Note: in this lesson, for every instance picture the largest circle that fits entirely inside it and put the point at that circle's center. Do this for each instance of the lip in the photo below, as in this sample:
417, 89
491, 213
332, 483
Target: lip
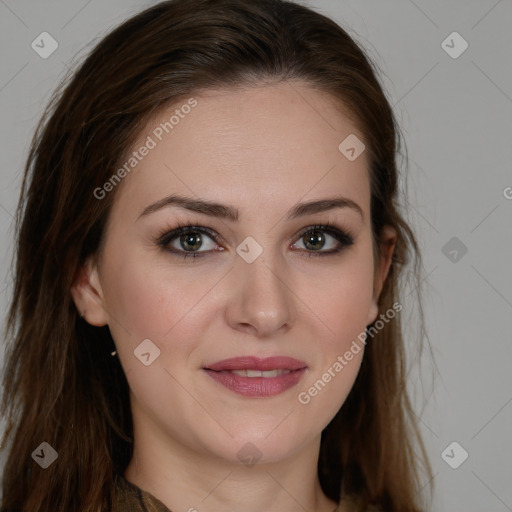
256, 363
257, 386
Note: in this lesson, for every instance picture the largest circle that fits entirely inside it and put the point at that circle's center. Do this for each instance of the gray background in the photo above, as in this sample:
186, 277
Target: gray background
456, 115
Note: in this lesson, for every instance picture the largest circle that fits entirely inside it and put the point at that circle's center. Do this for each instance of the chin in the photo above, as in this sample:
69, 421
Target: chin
262, 445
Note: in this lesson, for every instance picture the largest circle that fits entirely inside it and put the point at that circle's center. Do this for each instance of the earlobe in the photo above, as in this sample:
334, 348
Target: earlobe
374, 311
387, 247
88, 295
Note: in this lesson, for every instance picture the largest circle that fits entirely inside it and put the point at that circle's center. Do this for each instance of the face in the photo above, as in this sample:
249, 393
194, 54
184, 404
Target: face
256, 284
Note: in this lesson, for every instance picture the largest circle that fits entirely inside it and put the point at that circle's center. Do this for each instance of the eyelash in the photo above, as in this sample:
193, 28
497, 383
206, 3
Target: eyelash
167, 236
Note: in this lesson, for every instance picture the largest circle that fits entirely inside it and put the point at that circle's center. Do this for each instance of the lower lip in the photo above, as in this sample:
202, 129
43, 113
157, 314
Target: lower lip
257, 386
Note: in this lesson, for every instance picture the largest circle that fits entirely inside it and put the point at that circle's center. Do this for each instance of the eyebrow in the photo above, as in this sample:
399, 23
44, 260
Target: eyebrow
231, 213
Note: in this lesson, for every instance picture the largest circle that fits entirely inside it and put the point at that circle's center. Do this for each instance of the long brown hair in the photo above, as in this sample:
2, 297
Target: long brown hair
61, 386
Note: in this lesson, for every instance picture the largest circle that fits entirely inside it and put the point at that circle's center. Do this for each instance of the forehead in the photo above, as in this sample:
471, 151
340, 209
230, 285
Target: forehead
256, 146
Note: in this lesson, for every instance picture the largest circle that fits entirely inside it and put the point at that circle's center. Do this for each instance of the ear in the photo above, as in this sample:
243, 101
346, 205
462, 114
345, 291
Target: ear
386, 248
88, 295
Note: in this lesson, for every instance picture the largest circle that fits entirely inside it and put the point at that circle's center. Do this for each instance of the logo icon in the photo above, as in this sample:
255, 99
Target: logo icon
454, 45
352, 147
249, 454
44, 455
454, 455
454, 249
44, 45
249, 249
146, 352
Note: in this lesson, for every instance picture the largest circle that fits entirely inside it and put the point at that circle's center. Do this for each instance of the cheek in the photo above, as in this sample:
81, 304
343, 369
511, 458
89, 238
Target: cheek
164, 302
149, 298
343, 296
151, 302
320, 399
342, 305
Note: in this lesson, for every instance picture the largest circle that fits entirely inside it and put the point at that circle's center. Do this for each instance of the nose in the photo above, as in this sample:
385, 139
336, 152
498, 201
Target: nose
260, 299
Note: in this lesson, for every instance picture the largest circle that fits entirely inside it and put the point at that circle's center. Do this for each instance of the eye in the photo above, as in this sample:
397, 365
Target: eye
316, 238
186, 241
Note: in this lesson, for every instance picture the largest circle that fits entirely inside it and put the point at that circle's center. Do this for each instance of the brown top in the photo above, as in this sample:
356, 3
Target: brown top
131, 498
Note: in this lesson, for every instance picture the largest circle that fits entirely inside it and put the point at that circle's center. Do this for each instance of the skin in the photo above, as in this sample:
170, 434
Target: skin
262, 150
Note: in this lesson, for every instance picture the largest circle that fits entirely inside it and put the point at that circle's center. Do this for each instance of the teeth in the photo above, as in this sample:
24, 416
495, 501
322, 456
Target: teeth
258, 373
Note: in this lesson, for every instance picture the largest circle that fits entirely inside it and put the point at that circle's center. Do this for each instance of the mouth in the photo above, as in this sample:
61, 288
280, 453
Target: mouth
255, 377
257, 373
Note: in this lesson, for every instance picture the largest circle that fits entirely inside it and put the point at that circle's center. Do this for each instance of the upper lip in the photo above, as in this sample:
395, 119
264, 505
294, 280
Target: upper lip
256, 363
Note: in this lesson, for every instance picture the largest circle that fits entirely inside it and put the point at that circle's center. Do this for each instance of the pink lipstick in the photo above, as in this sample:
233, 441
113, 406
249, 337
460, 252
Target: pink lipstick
255, 377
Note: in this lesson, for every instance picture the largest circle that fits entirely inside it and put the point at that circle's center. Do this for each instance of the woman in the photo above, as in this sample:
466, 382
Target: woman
206, 312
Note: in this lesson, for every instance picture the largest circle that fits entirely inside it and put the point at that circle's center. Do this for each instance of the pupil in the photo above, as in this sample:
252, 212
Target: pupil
313, 239
191, 241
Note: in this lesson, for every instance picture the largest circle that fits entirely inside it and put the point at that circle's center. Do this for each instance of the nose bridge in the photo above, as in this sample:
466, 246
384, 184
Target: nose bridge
260, 297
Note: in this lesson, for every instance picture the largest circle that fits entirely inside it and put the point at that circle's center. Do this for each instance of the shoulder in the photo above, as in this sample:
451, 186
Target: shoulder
355, 504
130, 498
